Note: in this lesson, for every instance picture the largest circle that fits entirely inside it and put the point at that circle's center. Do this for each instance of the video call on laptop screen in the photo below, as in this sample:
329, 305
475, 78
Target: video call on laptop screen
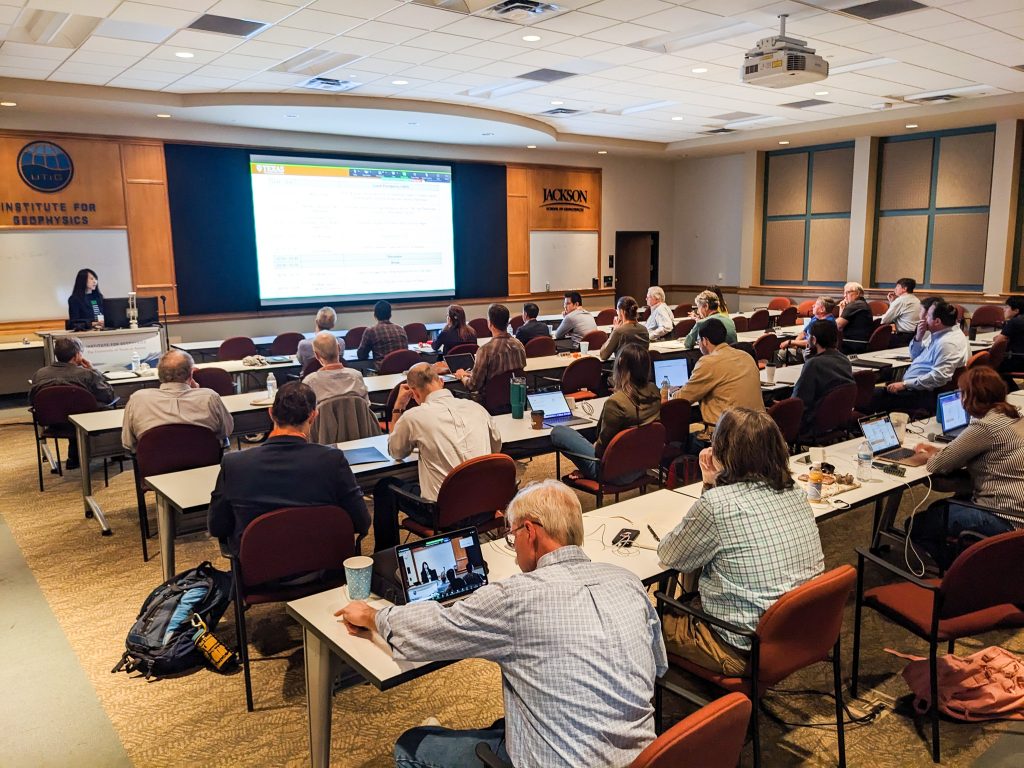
442, 567
552, 403
677, 372
881, 434
951, 411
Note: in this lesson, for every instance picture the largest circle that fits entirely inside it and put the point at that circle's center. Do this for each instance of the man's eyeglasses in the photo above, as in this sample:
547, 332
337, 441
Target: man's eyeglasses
510, 534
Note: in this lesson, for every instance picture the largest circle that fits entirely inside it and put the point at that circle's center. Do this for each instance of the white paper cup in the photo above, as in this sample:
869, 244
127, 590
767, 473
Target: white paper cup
769, 374
899, 423
584, 347
817, 455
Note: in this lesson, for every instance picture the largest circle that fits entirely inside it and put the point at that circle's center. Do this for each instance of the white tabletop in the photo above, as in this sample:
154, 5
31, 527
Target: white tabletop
7, 346
107, 420
189, 488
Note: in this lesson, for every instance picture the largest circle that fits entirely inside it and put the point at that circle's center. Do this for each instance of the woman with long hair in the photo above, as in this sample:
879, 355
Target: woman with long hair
456, 331
635, 401
85, 304
984, 465
626, 329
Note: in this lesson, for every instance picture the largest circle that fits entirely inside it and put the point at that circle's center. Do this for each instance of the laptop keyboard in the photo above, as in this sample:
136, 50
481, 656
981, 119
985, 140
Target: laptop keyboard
899, 453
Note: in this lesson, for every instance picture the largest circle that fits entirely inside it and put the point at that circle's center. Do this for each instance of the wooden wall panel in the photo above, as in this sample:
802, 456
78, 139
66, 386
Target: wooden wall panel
518, 246
517, 179
565, 199
144, 163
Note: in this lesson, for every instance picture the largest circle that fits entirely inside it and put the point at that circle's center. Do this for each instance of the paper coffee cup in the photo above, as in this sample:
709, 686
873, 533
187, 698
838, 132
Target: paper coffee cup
584, 347
769, 374
358, 573
899, 422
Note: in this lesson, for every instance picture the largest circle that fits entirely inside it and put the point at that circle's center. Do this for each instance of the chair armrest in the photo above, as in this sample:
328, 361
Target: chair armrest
680, 607
488, 758
885, 565
409, 499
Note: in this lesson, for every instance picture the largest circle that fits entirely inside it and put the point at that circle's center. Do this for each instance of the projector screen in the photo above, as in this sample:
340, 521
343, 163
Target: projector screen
332, 230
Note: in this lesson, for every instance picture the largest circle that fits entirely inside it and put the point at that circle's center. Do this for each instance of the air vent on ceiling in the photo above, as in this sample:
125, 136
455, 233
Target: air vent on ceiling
716, 131
516, 11
546, 75
315, 61
805, 103
52, 28
225, 25
329, 84
731, 116
879, 9
561, 112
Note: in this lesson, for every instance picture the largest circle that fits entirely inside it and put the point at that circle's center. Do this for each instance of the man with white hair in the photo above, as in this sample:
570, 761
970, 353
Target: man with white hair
579, 645
855, 319
333, 378
660, 322
325, 320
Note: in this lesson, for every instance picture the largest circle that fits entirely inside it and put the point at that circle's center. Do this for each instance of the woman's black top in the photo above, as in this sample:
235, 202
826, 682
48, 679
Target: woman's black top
83, 309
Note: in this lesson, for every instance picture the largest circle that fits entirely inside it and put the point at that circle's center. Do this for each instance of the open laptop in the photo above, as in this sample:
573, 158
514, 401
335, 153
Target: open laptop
952, 417
885, 445
456, 362
442, 568
676, 371
556, 409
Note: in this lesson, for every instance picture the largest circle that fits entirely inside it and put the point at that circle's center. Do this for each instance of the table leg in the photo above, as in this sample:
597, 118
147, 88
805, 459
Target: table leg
318, 697
92, 507
165, 524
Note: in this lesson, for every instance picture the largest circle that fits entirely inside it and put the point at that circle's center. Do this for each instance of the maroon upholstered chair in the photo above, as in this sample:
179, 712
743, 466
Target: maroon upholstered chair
633, 450
986, 316
286, 343
416, 333
311, 365
780, 646
788, 415
354, 337
170, 448
465, 349
880, 338
214, 378
683, 327
805, 308
595, 338
398, 361
675, 416
481, 327
389, 407
997, 352
236, 348
780, 303
980, 358
682, 310
485, 484
605, 317
517, 322
765, 348
787, 317
285, 543
832, 416
742, 324
878, 307
865, 380
51, 407
496, 395
540, 346
581, 379
759, 320
712, 737
982, 590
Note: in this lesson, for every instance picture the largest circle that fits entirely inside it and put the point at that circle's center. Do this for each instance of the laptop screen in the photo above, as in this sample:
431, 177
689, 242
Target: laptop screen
553, 404
456, 362
676, 371
880, 433
442, 567
950, 411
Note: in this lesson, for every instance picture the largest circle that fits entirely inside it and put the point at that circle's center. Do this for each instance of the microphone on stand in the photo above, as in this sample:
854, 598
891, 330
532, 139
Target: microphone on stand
167, 341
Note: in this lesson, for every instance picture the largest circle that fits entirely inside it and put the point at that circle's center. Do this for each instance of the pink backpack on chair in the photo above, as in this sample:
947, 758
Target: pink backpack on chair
987, 685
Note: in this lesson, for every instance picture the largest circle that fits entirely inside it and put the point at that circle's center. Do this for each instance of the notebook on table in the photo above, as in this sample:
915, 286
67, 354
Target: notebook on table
952, 416
442, 568
885, 445
676, 371
556, 409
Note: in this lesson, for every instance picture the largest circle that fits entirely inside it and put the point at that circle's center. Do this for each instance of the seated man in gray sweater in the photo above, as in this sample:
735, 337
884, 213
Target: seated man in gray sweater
825, 370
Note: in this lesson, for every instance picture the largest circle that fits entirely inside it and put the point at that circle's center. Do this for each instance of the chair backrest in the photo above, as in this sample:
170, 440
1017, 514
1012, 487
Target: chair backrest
354, 336
632, 450
742, 324
176, 447
712, 737
758, 320
675, 417
286, 343
980, 358
987, 316
878, 307
398, 361
605, 317
583, 373
880, 338
682, 310
997, 352
865, 380
52, 405
479, 485
683, 327
517, 322
416, 333
311, 365
786, 645
987, 573
766, 346
480, 326
779, 302
595, 338
465, 349
788, 316
788, 414
497, 395
389, 406
295, 540
217, 379
341, 418
236, 348
805, 308
835, 409
540, 346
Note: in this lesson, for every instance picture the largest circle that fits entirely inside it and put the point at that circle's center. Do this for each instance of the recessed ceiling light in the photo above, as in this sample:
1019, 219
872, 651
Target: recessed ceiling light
677, 118
162, 114
602, 151
531, 146
910, 125
184, 54
8, 103
557, 103
399, 82
783, 142
821, 93
531, 38
699, 70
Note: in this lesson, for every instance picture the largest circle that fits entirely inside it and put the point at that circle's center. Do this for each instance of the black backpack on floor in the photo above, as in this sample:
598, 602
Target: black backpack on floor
160, 642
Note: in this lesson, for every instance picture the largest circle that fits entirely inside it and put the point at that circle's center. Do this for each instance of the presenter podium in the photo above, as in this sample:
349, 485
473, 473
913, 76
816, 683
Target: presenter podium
112, 350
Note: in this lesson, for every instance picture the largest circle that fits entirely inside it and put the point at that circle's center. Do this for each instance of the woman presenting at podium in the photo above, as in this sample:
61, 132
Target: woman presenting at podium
85, 304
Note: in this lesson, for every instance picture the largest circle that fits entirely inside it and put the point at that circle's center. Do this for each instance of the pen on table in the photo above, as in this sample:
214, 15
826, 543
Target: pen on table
656, 536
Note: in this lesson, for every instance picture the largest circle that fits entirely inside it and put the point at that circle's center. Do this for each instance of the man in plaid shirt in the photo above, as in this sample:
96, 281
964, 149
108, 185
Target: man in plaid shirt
502, 353
384, 337
579, 645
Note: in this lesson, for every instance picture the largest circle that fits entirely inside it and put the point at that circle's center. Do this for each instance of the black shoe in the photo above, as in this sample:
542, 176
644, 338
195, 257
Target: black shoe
71, 464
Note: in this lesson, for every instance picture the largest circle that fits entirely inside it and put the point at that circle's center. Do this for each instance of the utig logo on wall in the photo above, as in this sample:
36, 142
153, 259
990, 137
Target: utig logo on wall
561, 199
45, 167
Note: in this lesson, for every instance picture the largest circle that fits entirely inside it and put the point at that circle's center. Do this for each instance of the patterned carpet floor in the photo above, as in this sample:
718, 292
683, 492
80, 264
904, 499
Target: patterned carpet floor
95, 586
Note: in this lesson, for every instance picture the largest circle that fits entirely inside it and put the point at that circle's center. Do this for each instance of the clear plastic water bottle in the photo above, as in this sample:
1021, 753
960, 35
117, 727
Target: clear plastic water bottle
136, 361
271, 387
814, 483
864, 462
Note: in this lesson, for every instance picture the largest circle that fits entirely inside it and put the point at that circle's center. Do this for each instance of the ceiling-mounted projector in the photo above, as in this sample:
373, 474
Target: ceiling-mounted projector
779, 62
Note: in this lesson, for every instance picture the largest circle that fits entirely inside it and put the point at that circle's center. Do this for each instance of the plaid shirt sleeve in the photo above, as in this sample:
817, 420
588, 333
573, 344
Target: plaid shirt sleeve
694, 542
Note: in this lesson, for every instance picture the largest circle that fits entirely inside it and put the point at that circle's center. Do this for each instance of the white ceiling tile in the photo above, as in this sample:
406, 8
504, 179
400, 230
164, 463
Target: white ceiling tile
366, 9
152, 74
248, 86
268, 50
82, 78
501, 69
953, 31
440, 89
250, 63
23, 73
153, 14
8, 13
681, 20
384, 33
420, 17
472, 79
459, 62
1005, 21
439, 41
381, 66
429, 73
110, 45
136, 84
188, 39
923, 19
281, 79
973, 9
625, 34
232, 73
130, 30
177, 68
481, 29
97, 70
581, 46
187, 5
352, 46
167, 53
575, 23
317, 21
97, 57
253, 10
301, 38
99, 8
199, 83
542, 60
412, 55
626, 10
32, 51
494, 51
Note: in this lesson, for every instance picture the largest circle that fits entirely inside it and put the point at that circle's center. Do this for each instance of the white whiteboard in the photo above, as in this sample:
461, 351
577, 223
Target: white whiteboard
562, 261
38, 268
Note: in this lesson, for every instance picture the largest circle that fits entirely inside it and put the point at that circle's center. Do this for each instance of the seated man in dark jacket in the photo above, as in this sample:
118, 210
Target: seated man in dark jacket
286, 471
825, 370
532, 327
